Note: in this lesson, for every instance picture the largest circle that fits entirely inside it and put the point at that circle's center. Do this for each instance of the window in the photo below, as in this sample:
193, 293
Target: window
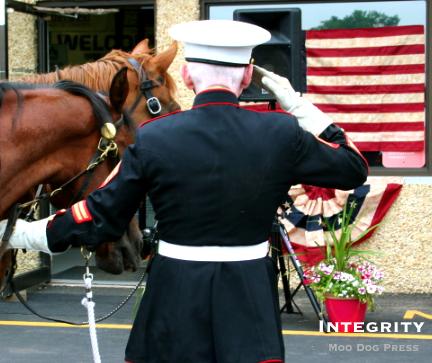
366, 66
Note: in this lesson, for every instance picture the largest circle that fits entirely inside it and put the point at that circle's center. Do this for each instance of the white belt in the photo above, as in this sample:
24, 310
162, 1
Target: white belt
213, 253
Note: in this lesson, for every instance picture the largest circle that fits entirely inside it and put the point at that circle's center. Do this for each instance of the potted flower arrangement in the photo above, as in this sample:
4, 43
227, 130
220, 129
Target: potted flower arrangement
345, 281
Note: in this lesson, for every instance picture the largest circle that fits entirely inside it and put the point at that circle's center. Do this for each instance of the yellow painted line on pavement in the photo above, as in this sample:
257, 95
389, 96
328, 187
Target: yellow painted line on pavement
61, 325
411, 314
284, 332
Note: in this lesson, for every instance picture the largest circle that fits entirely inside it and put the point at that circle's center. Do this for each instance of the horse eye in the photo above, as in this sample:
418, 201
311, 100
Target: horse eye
161, 80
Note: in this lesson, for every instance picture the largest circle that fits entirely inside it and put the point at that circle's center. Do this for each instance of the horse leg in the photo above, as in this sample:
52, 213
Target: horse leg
6, 268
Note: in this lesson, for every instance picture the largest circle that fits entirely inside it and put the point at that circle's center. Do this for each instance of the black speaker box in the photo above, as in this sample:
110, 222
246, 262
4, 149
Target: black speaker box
283, 53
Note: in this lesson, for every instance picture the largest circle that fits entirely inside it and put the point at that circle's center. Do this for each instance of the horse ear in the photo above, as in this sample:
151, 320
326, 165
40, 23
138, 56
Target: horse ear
142, 48
163, 60
119, 89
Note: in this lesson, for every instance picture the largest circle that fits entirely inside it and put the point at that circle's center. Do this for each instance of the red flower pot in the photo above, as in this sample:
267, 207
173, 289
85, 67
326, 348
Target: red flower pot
341, 309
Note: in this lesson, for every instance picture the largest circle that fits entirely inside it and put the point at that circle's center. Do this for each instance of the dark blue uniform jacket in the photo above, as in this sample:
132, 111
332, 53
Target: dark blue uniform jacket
215, 175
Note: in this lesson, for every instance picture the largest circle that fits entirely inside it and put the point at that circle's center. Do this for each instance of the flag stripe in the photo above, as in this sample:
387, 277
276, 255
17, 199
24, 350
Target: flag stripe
373, 108
366, 51
371, 89
382, 69
411, 136
366, 61
366, 98
366, 80
366, 118
387, 31
365, 42
391, 146
383, 126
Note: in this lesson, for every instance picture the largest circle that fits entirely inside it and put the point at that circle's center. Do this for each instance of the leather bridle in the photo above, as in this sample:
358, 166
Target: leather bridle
146, 85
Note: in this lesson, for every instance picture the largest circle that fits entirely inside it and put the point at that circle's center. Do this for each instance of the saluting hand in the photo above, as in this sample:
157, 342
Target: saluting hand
279, 86
309, 117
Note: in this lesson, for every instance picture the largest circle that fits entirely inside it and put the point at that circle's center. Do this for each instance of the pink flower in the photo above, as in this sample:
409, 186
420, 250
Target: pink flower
337, 275
361, 290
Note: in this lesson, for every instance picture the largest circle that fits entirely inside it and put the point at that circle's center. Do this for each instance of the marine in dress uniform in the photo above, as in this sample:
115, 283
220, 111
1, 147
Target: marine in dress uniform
215, 175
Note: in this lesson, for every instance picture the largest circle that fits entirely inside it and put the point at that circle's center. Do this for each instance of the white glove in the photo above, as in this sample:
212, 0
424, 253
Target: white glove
309, 116
28, 235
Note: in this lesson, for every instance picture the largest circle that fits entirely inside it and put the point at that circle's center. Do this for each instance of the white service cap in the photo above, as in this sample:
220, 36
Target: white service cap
224, 42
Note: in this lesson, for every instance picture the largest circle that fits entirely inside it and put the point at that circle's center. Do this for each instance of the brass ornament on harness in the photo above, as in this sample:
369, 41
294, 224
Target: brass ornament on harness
108, 131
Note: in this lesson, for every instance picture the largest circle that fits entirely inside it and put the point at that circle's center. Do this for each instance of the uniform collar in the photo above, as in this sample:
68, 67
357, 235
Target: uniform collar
216, 95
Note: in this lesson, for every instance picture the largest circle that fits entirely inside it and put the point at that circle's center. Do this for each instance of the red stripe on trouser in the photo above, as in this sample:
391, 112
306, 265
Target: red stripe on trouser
264, 361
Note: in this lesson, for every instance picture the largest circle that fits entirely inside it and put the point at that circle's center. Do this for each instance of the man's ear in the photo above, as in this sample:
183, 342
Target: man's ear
247, 76
186, 77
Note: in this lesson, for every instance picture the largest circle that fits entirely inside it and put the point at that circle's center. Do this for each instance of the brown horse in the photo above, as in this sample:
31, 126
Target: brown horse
50, 134
147, 76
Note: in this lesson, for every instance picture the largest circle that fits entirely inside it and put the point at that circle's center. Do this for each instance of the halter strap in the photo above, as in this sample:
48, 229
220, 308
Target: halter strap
12, 218
153, 103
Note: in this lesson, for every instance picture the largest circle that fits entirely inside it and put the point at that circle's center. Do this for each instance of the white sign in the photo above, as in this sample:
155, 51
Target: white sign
2, 12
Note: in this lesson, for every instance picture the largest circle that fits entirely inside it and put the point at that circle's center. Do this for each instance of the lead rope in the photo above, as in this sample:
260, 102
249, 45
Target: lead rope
88, 303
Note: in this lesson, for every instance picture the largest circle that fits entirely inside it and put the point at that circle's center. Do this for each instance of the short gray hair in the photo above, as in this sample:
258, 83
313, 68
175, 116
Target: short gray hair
204, 75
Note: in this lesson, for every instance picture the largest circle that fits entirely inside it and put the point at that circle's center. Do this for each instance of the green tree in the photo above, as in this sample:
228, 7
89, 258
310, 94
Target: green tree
360, 19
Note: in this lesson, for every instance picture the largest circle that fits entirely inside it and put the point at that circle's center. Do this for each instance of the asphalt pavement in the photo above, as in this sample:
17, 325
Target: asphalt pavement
27, 338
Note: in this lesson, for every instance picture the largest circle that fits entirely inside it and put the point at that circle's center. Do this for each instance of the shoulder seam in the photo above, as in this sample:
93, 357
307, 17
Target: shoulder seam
268, 111
159, 118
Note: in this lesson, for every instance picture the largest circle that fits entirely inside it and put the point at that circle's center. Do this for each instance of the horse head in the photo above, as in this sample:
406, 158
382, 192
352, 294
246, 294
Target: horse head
152, 89
125, 254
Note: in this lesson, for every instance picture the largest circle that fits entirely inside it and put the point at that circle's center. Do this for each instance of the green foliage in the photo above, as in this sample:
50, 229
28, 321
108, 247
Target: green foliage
345, 272
341, 247
359, 19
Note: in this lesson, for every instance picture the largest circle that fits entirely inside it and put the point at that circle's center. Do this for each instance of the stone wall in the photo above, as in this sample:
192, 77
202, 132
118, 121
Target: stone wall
169, 13
22, 44
404, 240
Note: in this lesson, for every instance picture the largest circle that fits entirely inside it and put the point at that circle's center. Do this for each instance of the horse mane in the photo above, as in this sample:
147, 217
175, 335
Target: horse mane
99, 106
98, 74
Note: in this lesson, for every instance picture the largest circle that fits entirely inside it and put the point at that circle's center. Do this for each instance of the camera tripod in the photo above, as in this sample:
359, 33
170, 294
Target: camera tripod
280, 238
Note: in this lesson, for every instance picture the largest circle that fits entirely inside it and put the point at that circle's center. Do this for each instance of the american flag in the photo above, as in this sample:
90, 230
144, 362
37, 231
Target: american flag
371, 82
307, 206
